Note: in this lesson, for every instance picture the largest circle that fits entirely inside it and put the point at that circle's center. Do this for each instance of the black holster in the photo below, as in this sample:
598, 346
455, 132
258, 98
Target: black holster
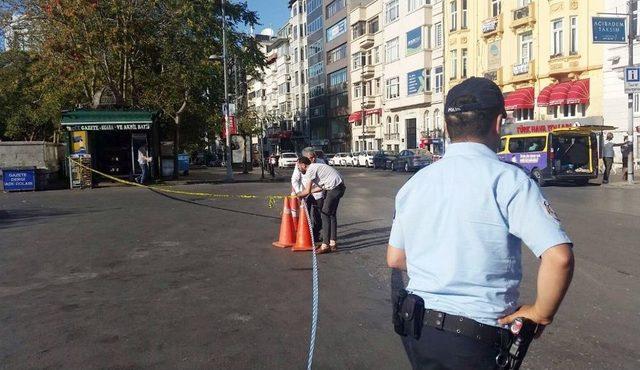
522, 333
408, 314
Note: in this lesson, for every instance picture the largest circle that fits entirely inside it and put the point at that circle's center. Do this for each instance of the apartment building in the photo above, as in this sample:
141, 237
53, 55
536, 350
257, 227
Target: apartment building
298, 69
410, 76
539, 52
616, 58
367, 71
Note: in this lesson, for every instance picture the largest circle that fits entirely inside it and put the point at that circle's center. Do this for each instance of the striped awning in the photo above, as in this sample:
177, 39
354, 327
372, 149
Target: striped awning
355, 117
579, 92
520, 99
559, 93
544, 96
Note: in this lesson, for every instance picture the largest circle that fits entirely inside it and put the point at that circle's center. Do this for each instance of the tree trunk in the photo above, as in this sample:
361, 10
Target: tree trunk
176, 143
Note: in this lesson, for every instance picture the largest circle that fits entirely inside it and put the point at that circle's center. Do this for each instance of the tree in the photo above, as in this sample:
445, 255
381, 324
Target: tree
152, 54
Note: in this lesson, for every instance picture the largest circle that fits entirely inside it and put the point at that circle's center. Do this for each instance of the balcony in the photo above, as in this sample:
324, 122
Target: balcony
525, 16
392, 136
369, 130
367, 101
368, 71
367, 41
563, 64
495, 76
523, 71
492, 26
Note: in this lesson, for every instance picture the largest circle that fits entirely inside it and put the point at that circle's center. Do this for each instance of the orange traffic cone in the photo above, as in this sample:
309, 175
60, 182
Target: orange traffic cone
294, 205
303, 238
287, 236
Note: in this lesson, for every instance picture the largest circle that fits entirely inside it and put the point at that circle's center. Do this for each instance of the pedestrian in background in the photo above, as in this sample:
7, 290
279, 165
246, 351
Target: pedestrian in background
322, 177
626, 148
464, 265
143, 160
314, 201
607, 157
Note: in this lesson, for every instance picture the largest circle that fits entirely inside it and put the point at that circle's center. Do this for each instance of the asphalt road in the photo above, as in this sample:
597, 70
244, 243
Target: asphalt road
126, 278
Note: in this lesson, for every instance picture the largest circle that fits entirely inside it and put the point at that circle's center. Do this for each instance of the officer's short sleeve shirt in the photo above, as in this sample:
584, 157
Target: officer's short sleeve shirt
461, 222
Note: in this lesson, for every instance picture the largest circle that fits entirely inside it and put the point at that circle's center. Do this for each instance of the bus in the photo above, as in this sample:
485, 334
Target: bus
564, 154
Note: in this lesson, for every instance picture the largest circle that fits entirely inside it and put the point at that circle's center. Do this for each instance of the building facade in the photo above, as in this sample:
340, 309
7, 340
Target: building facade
298, 69
539, 52
616, 58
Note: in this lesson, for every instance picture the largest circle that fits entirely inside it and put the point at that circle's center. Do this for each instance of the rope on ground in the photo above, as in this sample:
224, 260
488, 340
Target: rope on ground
271, 199
314, 302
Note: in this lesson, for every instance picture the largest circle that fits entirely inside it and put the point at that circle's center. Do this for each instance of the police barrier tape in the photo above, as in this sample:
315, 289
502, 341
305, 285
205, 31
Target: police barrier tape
271, 199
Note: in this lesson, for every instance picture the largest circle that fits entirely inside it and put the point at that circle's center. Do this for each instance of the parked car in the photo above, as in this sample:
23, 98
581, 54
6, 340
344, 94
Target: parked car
383, 159
365, 159
340, 159
412, 160
328, 157
352, 159
287, 160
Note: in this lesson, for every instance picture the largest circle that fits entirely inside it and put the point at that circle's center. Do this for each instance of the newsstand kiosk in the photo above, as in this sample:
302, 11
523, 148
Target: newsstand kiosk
109, 140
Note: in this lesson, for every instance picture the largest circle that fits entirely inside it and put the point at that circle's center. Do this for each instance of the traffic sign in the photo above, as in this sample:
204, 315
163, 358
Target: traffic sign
632, 80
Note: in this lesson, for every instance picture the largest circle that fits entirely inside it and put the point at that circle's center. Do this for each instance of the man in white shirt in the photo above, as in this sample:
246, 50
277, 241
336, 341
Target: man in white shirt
143, 160
322, 177
315, 200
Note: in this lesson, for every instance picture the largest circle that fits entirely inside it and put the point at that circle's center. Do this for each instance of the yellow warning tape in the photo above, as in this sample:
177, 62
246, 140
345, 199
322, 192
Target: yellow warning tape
271, 199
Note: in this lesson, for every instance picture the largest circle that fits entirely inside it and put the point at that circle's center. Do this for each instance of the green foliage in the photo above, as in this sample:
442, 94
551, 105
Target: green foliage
153, 54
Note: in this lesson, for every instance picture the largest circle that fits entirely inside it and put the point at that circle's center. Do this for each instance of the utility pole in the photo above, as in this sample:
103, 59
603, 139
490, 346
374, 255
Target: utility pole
632, 36
227, 126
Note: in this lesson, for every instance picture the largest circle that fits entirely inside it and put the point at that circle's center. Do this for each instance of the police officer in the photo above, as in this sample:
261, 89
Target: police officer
463, 258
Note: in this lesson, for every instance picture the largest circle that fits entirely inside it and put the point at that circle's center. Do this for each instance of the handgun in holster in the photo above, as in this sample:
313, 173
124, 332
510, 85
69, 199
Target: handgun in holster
523, 331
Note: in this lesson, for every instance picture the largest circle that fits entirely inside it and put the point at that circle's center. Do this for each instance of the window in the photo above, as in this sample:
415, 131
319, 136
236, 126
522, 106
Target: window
374, 25
295, 55
438, 35
439, 79
315, 48
334, 7
296, 79
523, 3
521, 115
317, 111
358, 29
464, 15
357, 90
314, 26
415, 4
376, 86
376, 55
338, 77
337, 30
316, 70
573, 110
337, 54
556, 33
496, 8
339, 100
454, 15
573, 47
428, 34
436, 119
393, 50
392, 10
636, 104
454, 64
356, 60
313, 5
316, 91
393, 88
464, 63
526, 47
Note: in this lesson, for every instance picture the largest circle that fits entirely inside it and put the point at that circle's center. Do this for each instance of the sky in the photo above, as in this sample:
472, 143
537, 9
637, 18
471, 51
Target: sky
273, 13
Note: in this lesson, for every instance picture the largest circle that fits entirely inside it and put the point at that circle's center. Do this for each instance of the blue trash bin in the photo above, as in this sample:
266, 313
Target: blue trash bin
183, 164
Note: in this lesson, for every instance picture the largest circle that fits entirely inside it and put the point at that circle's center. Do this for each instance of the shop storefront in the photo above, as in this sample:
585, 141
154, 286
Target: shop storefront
111, 139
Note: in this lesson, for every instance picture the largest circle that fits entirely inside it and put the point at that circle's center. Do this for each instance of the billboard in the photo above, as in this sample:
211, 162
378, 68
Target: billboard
414, 41
609, 30
417, 82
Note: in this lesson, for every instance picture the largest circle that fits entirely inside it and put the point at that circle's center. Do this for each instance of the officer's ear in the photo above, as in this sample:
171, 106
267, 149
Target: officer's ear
498, 123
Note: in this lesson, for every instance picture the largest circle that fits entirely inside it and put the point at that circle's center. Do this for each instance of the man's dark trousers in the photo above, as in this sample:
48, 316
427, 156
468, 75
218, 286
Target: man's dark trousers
439, 350
608, 162
313, 208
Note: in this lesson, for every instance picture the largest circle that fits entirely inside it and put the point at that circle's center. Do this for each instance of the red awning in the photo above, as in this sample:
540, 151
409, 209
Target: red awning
579, 93
544, 96
355, 117
520, 99
559, 93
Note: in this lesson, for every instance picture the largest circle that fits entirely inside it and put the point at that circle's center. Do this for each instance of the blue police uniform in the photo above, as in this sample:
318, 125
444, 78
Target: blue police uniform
461, 222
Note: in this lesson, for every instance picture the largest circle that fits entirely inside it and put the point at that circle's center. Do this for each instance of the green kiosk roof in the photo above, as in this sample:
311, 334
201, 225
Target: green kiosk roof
107, 120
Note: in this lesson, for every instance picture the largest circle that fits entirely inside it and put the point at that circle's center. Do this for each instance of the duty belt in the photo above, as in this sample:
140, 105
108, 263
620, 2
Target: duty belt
465, 326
